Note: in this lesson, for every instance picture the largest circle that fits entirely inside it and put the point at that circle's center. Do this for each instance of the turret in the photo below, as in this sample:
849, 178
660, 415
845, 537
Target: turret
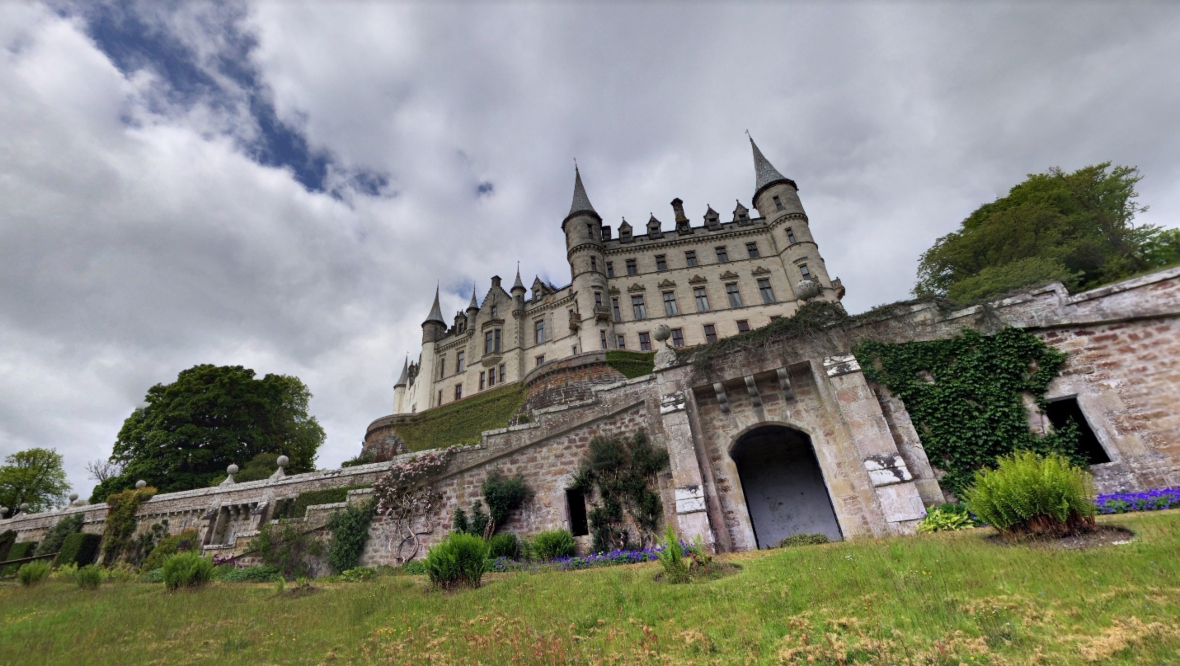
518, 289
584, 250
399, 388
472, 310
775, 195
434, 326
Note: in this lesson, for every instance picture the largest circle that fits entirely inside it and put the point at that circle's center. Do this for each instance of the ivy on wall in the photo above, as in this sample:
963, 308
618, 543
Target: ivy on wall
119, 527
631, 364
964, 396
623, 470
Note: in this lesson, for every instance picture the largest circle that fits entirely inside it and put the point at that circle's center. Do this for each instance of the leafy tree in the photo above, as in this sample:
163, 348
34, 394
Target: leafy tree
35, 476
210, 417
1073, 227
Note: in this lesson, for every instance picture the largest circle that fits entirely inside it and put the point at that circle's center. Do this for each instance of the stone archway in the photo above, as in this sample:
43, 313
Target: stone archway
783, 485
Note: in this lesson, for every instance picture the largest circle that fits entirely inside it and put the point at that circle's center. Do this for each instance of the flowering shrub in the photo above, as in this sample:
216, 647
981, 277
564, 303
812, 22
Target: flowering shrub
1149, 500
406, 493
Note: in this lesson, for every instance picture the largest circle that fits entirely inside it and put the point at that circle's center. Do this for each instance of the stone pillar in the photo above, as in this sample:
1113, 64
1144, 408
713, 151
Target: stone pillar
688, 484
892, 481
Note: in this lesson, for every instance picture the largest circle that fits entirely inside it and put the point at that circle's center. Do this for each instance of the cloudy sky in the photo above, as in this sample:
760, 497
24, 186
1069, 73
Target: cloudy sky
282, 185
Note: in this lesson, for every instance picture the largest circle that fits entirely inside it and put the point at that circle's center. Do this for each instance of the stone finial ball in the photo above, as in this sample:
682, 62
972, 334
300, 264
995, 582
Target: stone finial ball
807, 289
24, 506
232, 469
73, 497
3, 511
140, 484
283, 461
662, 333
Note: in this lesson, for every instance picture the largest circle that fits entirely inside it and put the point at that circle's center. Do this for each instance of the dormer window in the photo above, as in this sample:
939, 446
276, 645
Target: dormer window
778, 203
743, 218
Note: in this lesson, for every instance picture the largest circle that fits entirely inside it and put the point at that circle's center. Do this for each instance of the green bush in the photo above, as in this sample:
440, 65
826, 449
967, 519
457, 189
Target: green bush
297, 508
803, 540
88, 577
552, 545
7, 538
945, 518
171, 545
119, 526
79, 549
58, 533
350, 532
461, 559
504, 495
31, 573
413, 568
187, 570
1029, 494
286, 546
631, 364
18, 551
358, 574
262, 573
504, 545
672, 558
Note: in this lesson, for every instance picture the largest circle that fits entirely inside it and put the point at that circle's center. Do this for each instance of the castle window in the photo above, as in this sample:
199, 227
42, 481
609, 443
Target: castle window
590, 229
458, 391
765, 290
806, 273
491, 341
722, 255
670, 308
459, 362
645, 342
483, 376
439, 397
702, 299
622, 341
576, 500
735, 297
778, 204
540, 360
690, 258
610, 269
491, 378
501, 374
614, 307
661, 263
442, 366
752, 250
637, 307
594, 264
598, 299
791, 236
677, 337
710, 333
743, 218
743, 326
632, 267
602, 337
539, 325
494, 311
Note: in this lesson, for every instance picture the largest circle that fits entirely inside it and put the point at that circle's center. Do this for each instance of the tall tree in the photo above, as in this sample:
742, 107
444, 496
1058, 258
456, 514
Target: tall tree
1073, 227
34, 476
209, 418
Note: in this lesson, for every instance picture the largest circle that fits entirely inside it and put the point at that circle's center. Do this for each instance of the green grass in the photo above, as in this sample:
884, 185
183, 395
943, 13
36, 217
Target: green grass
631, 364
944, 598
462, 422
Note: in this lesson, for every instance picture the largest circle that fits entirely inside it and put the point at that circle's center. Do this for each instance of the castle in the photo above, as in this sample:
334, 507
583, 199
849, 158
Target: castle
706, 282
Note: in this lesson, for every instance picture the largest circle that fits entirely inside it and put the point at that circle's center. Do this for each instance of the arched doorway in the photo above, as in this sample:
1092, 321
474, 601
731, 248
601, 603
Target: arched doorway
784, 487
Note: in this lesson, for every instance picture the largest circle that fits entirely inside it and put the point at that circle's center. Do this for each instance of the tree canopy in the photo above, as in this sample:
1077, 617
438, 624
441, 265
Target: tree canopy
211, 417
1073, 227
34, 476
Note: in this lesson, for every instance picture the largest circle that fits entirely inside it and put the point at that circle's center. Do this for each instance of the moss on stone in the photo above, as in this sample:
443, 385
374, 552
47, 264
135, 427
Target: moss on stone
462, 422
631, 364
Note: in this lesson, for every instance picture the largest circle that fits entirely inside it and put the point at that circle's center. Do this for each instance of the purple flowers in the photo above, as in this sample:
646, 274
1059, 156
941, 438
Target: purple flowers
1148, 500
609, 558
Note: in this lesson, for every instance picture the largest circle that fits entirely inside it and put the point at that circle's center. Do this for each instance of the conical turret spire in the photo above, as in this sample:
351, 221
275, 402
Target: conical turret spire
581, 202
435, 312
405, 377
764, 171
518, 284
474, 304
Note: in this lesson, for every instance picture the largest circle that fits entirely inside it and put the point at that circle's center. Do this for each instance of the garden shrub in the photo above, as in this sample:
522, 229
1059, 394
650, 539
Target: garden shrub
31, 573
413, 568
7, 538
631, 364
672, 558
623, 470
478, 523
803, 540
459, 559
1030, 494
78, 549
18, 551
263, 573
297, 508
119, 528
152, 577
286, 546
945, 518
504, 545
503, 495
58, 533
187, 570
358, 574
171, 545
350, 532
553, 544
88, 577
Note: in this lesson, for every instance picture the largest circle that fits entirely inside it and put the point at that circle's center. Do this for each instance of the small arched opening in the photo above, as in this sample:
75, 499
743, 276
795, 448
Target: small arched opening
783, 485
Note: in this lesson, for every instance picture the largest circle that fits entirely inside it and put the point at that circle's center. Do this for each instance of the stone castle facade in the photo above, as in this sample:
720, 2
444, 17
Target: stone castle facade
704, 282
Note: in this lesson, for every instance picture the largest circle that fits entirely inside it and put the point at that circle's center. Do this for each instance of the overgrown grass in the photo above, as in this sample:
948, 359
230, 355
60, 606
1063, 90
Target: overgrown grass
462, 422
945, 598
631, 364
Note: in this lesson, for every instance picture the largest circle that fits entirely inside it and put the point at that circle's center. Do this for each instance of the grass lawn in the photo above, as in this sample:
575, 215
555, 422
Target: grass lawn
933, 599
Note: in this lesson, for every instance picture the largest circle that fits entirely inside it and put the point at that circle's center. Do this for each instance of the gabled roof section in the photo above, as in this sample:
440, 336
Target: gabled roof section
435, 315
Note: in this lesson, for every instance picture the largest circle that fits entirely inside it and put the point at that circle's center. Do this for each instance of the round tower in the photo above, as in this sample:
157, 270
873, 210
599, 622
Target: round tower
584, 251
777, 199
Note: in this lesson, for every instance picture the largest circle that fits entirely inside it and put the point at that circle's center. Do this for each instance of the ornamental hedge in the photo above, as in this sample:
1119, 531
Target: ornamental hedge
79, 549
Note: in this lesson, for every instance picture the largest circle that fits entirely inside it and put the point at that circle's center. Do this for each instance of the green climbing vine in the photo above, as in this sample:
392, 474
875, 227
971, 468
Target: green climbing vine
119, 527
623, 470
964, 396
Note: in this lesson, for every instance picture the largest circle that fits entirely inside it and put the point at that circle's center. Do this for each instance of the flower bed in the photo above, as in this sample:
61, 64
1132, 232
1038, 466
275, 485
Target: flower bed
609, 558
1149, 500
